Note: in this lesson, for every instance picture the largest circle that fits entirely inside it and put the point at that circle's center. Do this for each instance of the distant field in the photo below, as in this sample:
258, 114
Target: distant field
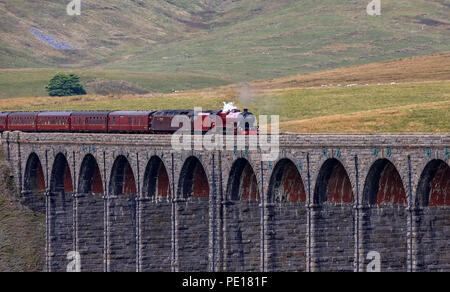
407, 95
236, 40
32, 82
414, 107
415, 69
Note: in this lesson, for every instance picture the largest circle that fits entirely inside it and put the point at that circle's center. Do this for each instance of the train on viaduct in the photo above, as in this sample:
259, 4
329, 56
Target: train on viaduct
132, 203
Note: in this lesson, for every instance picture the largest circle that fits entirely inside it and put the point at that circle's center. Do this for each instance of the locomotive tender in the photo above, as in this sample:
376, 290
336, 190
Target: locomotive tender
140, 122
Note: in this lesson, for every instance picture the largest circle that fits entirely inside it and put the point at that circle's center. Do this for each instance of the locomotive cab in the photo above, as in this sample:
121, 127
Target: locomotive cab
246, 124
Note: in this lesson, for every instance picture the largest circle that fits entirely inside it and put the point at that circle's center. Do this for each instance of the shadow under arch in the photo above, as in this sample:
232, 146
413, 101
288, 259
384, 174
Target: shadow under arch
90, 215
242, 183
90, 181
242, 220
431, 217
383, 185
156, 180
384, 200
193, 217
286, 184
34, 185
286, 198
333, 184
121, 221
333, 220
61, 178
434, 185
155, 209
193, 182
60, 214
122, 181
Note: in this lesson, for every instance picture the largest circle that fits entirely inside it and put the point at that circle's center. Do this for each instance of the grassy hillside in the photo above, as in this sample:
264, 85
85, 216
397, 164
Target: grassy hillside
415, 107
238, 40
22, 232
415, 69
406, 95
32, 82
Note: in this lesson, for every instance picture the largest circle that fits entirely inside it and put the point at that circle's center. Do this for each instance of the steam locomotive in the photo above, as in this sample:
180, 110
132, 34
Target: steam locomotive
139, 122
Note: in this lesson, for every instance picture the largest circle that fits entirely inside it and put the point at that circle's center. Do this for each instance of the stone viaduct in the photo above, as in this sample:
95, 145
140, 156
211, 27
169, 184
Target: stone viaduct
132, 203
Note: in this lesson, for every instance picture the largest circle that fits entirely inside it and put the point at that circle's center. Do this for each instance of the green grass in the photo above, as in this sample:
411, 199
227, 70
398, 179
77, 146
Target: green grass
415, 107
311, 103
32, 82
233, 40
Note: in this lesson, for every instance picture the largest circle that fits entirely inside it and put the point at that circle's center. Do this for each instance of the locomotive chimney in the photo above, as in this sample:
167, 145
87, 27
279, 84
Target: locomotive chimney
245, 110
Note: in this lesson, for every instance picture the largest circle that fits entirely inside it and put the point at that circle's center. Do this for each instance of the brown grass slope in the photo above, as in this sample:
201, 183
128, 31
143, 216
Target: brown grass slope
415, 69
22, 232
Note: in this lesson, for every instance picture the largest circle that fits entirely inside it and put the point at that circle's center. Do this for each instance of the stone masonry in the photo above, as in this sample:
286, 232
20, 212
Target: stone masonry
132, 203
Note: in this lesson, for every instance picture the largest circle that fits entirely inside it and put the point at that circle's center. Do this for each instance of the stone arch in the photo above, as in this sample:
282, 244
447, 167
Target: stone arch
333, 219
90, 181
286, 184
431, 218
242, 182
193, 181
34, 184
60, 213
90, 215
122, 181
287, 223
384, 185
434, 185
384, 216
155, 209
193, 217
156, 180
121, 227
61, 178
333, 183
242, 219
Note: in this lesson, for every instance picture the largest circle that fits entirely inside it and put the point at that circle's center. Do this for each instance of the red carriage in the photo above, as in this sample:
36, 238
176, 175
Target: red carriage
22, 121
54, 121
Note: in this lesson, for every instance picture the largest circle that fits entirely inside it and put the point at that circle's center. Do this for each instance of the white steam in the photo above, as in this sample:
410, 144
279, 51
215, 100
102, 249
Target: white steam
228, 107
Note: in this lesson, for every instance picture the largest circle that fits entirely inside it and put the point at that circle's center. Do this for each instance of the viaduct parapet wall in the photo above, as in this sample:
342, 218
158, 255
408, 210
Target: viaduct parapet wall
328, 203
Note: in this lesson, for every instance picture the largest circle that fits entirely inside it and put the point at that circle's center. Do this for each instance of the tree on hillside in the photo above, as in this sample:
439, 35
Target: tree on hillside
65, 85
